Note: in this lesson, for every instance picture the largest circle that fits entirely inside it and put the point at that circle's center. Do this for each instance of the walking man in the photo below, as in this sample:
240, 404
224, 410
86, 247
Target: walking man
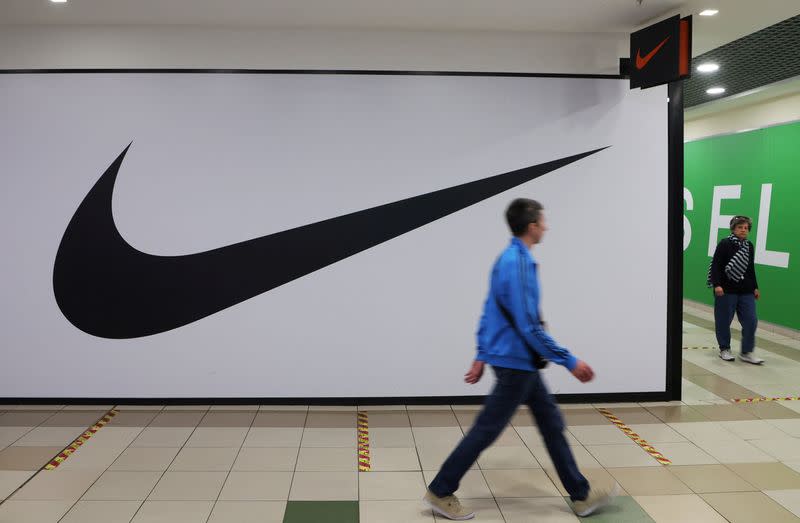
512, 341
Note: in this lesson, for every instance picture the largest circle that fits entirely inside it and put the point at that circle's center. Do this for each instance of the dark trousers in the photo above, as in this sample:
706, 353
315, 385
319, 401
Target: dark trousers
744, 306
513, 387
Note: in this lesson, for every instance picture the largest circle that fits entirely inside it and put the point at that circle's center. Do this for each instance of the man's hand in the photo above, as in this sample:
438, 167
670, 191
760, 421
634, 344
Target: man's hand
583, 372
757, 294
475, 372
718, 291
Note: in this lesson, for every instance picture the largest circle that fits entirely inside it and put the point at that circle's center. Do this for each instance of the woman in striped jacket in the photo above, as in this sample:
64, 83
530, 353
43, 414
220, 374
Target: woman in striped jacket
732, 275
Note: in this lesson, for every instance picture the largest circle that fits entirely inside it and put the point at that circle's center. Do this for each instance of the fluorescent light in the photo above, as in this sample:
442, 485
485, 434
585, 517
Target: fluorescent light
716, 90
707, 67
709, 12
59, 1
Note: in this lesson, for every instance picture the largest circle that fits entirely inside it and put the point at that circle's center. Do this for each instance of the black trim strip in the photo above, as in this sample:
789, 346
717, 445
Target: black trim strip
611, 397
675, 240
379, 72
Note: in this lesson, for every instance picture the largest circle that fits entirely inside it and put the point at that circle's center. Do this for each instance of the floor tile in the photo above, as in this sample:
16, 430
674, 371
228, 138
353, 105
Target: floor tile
658, 433
331, 420
577, 417
324, 486
279, 437
403, 511
145, 459
788, 499
649, 481
217, 437
184, 408
24, 418
767, 476
82, 419
188, 486
57, 485
773, 410
266, 459
595, 476
329, 437
133, 418
228, 419
9, 435
217, 459
622, 456
431, 457
134, 407
634, 415
328, 511
173, 512
123, 486
215, 408
389, 419
788, 426
50, 436
724, 412
735, 451
11, 480
623, 509
386, 486
535, 510
754, 429
177, 419
394, 459
605, 434
530, 436
318, 459
784, 449
432, 418
120, 437
332, 408
679, 509
257, 486
248, 512
582, 457
391, 437
437, 436
27, 458
704, 431
102, 511
508, 458
33, 511
280, 419
287, 408
162, 437
710, 478
527, 483
99, 408
676, 414
91, 458
472, 486
749, 507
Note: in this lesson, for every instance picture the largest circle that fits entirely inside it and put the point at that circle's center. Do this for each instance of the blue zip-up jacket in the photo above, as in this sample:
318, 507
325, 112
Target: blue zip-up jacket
515, 285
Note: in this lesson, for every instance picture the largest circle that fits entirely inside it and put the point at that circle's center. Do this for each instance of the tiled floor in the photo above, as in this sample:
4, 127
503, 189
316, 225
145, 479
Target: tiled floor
238, 464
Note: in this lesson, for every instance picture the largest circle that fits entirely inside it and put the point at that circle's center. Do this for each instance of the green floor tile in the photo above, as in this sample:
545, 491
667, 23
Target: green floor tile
623, 509
317, 511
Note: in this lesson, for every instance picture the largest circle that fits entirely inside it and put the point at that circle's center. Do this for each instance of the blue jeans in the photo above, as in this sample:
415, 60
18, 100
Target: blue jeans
513, 388
744, 306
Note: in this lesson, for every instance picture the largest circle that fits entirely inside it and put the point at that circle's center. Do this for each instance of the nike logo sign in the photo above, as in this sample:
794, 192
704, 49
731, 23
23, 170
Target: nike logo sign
108, 289
641, 62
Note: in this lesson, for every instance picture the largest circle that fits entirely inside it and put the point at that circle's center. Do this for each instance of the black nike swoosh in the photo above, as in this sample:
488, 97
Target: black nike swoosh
107, 288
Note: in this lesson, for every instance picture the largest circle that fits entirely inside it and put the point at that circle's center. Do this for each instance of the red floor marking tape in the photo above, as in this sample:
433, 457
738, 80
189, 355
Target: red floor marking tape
363, 443
635, 437
83, 438
756, 400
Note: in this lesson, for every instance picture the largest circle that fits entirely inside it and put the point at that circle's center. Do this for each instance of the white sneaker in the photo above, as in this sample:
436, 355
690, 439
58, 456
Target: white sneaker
726, 355
749, 358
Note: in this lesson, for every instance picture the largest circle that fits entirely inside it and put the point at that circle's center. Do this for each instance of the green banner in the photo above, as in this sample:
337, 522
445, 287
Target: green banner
757, 174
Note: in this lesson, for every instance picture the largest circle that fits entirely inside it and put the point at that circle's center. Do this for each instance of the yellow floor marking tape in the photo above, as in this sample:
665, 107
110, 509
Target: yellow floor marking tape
635, 437
756, 400
363, 442
83, 438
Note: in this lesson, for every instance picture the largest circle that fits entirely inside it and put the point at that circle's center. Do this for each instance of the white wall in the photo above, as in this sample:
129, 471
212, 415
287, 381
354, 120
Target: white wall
753, 116
194, 47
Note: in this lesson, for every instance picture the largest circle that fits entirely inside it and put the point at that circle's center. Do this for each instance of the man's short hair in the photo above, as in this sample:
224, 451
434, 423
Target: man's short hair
738, 220
522, 212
